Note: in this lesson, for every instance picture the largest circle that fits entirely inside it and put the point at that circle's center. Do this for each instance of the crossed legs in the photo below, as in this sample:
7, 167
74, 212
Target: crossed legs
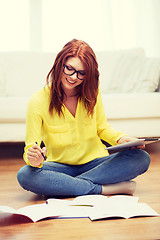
107, 175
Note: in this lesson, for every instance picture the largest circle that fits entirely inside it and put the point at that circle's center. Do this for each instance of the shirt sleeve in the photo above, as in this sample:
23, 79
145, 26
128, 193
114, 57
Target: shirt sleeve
33, 124
104, 129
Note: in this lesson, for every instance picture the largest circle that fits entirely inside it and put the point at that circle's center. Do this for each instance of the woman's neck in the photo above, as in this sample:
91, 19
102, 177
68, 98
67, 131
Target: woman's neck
71, 93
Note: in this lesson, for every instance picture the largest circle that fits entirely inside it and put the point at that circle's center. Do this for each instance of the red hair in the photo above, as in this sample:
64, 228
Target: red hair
88, 90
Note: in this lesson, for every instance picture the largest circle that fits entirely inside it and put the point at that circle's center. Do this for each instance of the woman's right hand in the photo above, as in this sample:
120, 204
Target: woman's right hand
34, 155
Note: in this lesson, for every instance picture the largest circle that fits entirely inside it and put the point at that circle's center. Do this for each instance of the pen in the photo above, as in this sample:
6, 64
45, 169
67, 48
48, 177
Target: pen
151, 139
42, 153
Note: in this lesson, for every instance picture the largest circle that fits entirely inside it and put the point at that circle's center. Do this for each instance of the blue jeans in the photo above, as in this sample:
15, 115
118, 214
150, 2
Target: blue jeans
57, 179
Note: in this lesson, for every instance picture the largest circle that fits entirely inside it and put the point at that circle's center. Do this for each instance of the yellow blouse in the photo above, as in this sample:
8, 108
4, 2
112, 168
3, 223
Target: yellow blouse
68, 139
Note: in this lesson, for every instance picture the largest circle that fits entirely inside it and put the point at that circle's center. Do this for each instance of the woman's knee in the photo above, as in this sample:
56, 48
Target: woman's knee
24, 175
144, 159
147, 160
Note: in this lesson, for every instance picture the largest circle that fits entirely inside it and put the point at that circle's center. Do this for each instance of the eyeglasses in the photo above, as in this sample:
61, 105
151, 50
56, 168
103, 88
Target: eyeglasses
69, 70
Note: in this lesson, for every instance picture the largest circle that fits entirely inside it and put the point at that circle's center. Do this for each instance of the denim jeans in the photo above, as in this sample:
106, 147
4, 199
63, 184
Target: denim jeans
57, 179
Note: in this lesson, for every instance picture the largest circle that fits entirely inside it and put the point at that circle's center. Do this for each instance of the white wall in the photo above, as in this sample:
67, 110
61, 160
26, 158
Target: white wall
46, 25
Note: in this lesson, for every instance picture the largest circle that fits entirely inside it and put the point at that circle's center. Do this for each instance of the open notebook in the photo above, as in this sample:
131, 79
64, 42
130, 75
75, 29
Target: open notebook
90, 206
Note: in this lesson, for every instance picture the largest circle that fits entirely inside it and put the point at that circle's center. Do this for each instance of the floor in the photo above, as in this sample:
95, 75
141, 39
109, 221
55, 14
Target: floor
148, 191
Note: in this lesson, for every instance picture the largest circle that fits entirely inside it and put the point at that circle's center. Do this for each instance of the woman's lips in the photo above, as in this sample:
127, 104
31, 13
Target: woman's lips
71, 82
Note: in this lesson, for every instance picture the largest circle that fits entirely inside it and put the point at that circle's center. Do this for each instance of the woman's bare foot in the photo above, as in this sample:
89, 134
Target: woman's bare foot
126, 187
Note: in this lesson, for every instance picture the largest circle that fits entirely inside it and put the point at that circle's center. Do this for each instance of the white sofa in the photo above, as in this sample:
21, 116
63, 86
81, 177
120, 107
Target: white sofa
129, 84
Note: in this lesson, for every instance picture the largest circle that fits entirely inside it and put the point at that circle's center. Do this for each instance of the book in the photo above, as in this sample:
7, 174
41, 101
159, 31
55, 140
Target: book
94, 207
120, 206
58, 208
98, 207
136, 143
93, 200
32, 213
71, 208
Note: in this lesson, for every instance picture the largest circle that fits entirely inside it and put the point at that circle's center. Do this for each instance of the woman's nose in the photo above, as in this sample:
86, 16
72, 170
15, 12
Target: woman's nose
74, 76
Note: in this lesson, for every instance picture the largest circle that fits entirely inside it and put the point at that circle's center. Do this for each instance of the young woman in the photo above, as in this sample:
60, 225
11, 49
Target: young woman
68, 115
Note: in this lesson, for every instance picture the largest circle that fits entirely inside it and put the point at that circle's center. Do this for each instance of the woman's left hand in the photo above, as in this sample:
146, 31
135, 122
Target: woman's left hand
126, 139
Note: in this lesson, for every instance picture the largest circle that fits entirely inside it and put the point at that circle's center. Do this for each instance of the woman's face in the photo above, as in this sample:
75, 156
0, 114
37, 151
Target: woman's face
73, 74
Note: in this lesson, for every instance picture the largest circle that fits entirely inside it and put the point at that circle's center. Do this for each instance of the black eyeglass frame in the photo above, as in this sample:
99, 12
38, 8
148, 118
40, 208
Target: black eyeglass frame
74, 71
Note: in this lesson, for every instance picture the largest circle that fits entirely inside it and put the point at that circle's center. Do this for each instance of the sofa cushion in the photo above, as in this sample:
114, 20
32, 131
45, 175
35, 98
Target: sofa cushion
26, 72
129, 73
131, 105
12, 132
2, 80
13, 109
117, 106
135, 74
109, 61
